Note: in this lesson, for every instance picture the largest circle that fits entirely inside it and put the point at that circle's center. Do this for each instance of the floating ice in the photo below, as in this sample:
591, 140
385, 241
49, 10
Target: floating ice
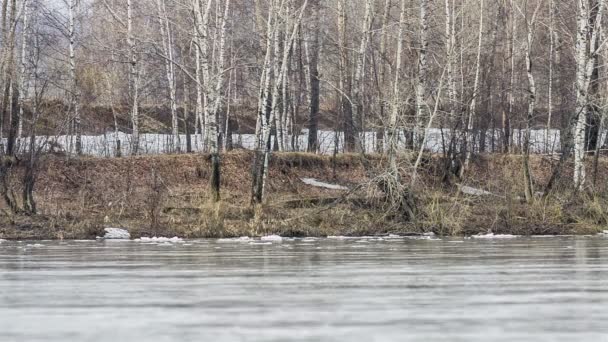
116, 234
2, 240
261, 243
174, 239
240, 239
272, 238
36, 245
332, 237
319, 184
494, 236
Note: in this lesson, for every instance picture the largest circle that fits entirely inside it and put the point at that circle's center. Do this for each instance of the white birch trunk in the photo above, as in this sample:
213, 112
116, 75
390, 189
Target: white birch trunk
75, 99
167, 45
396, 101
449, 46
23, 83
133, 80
550, 95
359, 73
421, 91
587, 41
473, 106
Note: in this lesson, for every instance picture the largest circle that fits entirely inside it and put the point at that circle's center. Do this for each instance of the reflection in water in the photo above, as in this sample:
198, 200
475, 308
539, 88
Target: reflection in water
324, 290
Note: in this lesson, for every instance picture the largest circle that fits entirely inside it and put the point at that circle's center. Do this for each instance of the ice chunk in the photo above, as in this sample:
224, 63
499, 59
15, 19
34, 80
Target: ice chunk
494, 236
319, 184
240, 239
272, 238
116, 234
36, 245
161, 239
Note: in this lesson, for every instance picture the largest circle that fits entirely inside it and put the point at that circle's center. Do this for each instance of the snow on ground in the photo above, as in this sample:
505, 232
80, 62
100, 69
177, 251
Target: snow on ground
494, 236
104, 145
473, 191
116, 234
319, 184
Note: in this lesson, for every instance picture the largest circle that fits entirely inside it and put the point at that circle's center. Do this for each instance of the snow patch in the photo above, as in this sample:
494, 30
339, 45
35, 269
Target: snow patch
494, 236
319, 184
473, 191
116, 234
272, 238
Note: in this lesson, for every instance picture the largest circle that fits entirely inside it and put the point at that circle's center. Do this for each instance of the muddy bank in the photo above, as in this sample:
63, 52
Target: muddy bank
168, 196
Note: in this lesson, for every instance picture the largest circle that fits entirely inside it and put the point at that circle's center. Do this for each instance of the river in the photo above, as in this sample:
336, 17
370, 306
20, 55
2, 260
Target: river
397, 289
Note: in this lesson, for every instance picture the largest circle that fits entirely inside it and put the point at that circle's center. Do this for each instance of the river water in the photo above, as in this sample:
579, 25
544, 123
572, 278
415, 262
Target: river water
523, 289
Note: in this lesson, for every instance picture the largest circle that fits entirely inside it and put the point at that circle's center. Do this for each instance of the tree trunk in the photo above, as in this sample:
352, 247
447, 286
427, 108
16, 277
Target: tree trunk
313, 54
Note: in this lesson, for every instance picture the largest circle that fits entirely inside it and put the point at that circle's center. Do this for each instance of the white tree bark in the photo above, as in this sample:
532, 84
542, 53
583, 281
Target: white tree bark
585, 54
23, 83
550, 95
74, 92
396, 101
450, 44
202, 9
359, 75
421, 81
214, 132
473, 105
530, 28
167, 45
133, 80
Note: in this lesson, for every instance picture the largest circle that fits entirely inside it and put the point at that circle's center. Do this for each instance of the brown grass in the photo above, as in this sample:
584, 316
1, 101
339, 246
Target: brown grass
168, 195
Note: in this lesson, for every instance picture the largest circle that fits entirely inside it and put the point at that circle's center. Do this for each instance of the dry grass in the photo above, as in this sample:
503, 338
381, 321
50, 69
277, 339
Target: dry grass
168, 195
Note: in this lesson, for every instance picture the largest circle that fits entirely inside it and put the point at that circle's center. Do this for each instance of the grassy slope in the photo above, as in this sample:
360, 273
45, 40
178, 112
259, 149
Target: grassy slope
167, 195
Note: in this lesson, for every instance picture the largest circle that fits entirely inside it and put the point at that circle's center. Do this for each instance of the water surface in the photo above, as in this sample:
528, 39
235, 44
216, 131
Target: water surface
525, 289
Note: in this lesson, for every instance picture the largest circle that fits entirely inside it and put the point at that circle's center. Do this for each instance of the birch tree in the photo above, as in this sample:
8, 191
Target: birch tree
313, 62
396, 100
530, 28
267, 107
358, 117
23, 82
421, 81
74, 96
473, 105
585, 54
167, 46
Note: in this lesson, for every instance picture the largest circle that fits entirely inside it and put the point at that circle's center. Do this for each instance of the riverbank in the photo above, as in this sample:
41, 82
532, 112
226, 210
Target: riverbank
307, 195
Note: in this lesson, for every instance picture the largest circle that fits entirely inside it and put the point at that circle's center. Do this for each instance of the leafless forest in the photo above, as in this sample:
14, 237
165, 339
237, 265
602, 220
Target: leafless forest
485, 74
